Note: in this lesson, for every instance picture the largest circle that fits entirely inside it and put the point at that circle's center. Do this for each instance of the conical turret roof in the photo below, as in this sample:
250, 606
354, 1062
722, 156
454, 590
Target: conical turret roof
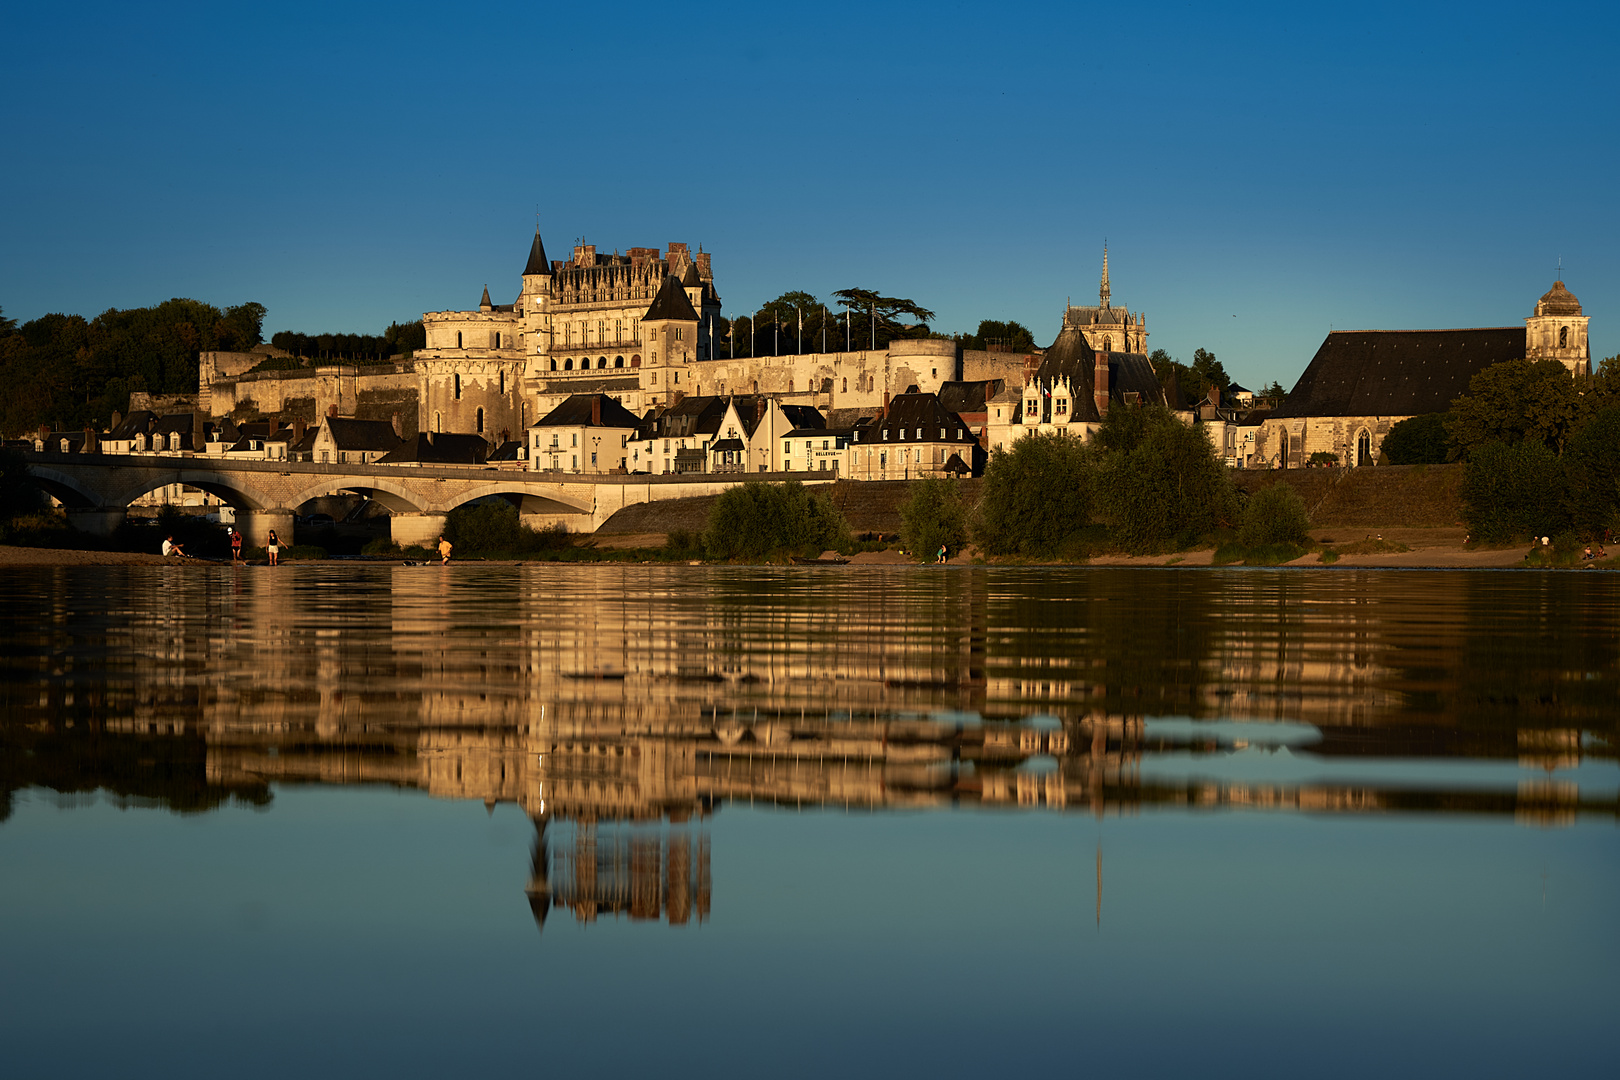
1558, 301
671, 303
537, 264
484, 303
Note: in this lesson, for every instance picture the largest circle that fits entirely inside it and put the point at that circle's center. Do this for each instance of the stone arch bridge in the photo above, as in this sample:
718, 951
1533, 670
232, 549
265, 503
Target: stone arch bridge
97, 489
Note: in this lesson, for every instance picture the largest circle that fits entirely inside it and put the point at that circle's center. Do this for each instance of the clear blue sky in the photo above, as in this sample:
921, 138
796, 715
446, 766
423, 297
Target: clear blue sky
1261, 172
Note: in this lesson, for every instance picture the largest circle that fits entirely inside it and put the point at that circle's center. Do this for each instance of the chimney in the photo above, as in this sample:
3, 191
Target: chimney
331, 410
430, 438
399, 432
884, 415
759, 409
596, 410
117, 418
299, 428
1099, 384
89, 444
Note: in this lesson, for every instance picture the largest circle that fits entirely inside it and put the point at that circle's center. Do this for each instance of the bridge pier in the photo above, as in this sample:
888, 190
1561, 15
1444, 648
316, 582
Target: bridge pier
258, 523
97, 521
408, 529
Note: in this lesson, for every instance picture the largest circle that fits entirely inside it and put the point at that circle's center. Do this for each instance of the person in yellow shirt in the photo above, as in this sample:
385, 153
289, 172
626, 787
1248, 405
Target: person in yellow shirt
444, 551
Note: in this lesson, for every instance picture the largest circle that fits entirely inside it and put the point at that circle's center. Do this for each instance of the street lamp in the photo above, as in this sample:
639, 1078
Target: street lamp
596, 441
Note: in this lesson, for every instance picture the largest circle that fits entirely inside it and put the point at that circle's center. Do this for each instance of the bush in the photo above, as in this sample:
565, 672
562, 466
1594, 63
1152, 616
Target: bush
683, 544
756, 521
1322, 459
1513, 492
933, 515
1037, 496
494, 528
1274, 515
18, 493
1164, 486
1418, 440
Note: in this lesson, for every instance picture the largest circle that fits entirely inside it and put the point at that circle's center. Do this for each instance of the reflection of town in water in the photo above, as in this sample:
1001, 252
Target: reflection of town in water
620, 707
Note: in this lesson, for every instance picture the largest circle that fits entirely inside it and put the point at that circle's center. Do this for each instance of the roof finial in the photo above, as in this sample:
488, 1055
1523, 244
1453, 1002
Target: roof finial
1104, 292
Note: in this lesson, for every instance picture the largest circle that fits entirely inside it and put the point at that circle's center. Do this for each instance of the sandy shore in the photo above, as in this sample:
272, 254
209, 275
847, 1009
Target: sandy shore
27, 556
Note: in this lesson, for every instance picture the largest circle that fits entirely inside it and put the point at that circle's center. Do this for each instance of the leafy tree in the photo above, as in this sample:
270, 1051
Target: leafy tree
933, 514
756, 520
1514, 401
18, 492
1274, 515
1418, 440
1592, 460
1512, 491
493, 527
999, 336
7, 326
1037, 496
1175, 378
874, 314
1160, 483
1206, 371
783, 318
1274, 394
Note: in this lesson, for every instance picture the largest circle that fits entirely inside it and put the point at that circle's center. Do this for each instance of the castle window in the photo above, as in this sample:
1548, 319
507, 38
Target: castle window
503, 380
568, 364
458, 339
601, 361
458, 387
846, 386
618, 361
497, 339
479, 420
1563, 337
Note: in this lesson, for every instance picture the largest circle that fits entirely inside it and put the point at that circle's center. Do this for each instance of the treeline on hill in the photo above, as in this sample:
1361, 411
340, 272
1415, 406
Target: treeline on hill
1542, 450
1185, 385
799, 322
68, 371
318, 349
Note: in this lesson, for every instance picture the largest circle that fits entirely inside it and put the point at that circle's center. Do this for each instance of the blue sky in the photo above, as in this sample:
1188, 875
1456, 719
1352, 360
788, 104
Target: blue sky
1261, 172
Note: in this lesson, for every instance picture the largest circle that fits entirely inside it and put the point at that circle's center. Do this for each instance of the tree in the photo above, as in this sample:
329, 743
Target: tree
1160, 483
866, 306
1514, 401
1592, 460
7, 326
1418, 440
756, 520
934, 514
1511, 491
1175, 378
1206, 371
1274, 394
1037, 496
999, 337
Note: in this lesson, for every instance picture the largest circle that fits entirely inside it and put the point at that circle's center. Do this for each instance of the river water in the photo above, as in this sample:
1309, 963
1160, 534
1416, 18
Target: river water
691, 821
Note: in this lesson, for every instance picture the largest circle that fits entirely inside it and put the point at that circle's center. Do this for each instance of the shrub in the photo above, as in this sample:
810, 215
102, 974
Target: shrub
1418, 440
1322, 459
933, 515
756, 520
1592, 459
1513, 492
1037, 496
683, 544
18, 492
1274, 515
1167, 490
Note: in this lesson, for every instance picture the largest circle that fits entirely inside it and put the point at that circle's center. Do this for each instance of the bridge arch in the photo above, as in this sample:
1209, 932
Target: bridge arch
228, 489
528, 498
393, 496
64, 488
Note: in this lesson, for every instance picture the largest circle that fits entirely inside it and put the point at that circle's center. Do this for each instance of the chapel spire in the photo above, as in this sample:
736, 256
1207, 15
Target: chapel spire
1104, 292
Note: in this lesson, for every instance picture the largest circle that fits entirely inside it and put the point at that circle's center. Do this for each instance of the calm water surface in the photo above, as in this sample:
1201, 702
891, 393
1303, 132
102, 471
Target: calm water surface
696, 821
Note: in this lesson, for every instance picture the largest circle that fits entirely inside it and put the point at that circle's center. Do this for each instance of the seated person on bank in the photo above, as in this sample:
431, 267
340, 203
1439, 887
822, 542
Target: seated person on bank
172, 548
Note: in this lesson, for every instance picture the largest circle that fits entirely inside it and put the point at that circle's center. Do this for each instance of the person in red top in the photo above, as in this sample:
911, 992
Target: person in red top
236, 545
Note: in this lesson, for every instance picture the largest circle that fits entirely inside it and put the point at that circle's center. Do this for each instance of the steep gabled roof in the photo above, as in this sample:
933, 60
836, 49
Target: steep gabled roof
804, 417
670, 303
537, 263
690, 279
442, 448
969, 397
136, 423
1072, 359
577, 411
1397, 372
912, 411
351, 434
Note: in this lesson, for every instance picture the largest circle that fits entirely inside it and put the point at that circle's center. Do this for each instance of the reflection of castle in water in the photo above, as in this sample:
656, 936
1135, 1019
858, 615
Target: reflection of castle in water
627, 704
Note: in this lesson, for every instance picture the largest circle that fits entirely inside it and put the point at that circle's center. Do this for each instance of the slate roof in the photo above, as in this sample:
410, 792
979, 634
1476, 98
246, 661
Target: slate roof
692, 416
1071, 358
576, 412
909, 412
804, 416
727, 444
969, 397
441, 448
537, 263
352, 434
670, 303
1396, 372
1558, 301
136, 423
690, 279
507, 451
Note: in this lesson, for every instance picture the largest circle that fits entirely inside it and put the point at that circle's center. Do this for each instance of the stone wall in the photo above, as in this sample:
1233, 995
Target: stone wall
1289, 443
978, 366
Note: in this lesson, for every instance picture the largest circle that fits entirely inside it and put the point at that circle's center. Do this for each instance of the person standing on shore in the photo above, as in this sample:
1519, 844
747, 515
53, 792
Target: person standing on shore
236, 545
272, 548
444, 551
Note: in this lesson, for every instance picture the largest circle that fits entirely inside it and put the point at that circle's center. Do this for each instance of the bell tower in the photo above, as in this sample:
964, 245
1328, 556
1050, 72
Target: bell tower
1557, 331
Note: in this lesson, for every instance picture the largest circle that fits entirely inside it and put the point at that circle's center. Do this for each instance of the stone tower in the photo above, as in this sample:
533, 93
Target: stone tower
534, 304
1557, 331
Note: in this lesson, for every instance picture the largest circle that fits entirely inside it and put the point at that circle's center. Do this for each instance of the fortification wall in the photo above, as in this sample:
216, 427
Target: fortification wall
979, 365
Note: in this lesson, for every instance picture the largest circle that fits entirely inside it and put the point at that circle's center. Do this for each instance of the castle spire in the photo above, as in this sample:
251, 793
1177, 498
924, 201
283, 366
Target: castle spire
1104, 292
537, 263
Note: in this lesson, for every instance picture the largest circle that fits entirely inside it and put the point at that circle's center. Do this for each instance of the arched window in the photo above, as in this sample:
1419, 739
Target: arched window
1108, 345
497, 339
618, 361
846, 386
568, 364
458, 339
553, 363
1364, 448
458, 387
479, 420
635, 361
503, 380
601, 361
1563, 337
438, 421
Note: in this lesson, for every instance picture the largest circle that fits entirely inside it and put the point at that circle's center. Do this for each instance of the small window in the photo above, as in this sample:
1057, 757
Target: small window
553, 363
573, 440
503, 380
497, 339
479, 420
568, 364
458, 387
919, 434
787, 448
943, 435
1563, 337
458, 339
